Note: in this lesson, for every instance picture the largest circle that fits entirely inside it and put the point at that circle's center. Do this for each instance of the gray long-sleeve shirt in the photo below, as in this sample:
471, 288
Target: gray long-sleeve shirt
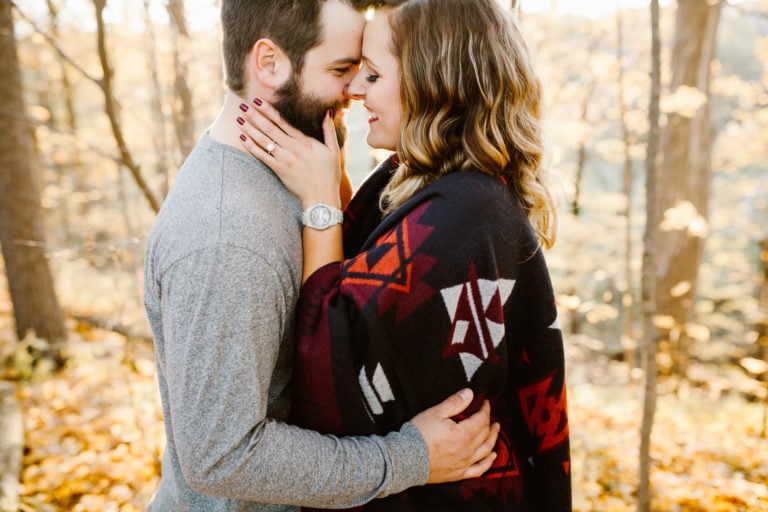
222, 274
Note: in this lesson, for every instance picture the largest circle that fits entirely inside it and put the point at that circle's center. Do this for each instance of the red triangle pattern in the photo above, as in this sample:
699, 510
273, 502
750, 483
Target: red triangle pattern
391, 271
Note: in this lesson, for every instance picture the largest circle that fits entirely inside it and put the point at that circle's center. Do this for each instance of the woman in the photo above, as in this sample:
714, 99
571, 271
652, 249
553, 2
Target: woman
441, 282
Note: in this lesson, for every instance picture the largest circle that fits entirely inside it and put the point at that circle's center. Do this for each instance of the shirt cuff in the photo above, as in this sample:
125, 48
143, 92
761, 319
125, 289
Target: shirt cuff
410, 458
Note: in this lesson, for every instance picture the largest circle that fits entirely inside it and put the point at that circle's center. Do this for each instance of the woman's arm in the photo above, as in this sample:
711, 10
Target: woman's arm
311, 170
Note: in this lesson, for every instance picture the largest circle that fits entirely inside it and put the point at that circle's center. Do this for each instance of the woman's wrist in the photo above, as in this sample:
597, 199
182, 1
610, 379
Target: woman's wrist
329, 200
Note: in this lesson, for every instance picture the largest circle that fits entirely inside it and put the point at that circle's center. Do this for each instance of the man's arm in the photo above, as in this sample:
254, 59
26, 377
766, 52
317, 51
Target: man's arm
224, 314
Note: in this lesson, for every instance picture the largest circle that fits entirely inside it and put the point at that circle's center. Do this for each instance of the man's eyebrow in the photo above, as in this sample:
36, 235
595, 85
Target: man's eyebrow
345, 62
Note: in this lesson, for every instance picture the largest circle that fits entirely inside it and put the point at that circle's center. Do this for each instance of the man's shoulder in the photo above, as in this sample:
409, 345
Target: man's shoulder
222, 193
225, 202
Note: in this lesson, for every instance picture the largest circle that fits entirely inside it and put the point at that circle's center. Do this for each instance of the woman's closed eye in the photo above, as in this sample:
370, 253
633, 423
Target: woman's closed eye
371, 77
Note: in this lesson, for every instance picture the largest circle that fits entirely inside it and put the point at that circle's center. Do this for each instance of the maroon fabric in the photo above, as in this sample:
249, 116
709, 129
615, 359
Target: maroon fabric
451, 290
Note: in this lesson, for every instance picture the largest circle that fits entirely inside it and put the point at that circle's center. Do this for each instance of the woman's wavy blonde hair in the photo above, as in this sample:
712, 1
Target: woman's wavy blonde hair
471, 101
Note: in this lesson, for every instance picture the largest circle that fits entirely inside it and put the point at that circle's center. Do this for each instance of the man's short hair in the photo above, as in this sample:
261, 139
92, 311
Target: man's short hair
294, 25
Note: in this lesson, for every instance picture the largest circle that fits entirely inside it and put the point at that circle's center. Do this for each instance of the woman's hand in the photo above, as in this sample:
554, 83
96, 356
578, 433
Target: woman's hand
308, 168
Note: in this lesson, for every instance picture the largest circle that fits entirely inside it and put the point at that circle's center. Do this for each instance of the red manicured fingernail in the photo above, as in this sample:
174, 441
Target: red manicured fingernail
240, 121
242, 137
244, 107
257, 101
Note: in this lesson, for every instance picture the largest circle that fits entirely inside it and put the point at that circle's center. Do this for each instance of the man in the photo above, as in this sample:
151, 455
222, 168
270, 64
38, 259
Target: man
222, 275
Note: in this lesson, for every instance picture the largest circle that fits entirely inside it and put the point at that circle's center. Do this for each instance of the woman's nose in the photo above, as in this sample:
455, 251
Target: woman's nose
353, 90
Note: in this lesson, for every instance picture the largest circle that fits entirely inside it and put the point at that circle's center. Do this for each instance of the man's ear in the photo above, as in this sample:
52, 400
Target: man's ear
270, 64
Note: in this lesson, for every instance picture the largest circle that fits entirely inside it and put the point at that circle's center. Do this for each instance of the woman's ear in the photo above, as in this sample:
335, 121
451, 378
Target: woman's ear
270, 65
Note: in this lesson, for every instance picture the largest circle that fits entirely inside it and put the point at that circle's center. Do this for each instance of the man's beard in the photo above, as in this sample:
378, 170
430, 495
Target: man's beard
306, 112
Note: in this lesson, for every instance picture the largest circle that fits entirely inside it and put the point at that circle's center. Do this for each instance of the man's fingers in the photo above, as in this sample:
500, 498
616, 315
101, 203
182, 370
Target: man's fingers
480, 467
484, 456
454, 404
479, 421
486, 447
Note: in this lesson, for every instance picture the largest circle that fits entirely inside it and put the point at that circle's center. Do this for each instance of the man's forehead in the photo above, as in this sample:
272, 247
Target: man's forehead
342, 32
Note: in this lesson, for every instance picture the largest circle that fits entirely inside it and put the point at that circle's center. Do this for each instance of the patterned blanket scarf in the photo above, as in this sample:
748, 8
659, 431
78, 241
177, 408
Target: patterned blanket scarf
450, 290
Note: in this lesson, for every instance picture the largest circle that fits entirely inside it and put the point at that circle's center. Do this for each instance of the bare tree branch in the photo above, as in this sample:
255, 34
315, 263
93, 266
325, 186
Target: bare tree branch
110, 102
56, 47
111, 108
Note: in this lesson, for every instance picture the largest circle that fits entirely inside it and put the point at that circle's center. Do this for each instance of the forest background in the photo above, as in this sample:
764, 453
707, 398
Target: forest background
100, 101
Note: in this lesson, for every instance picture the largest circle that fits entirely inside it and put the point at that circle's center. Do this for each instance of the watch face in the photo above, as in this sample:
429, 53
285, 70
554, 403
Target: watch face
320, 215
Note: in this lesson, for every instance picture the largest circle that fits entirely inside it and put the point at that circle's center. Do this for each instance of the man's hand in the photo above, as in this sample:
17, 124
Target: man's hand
457, 450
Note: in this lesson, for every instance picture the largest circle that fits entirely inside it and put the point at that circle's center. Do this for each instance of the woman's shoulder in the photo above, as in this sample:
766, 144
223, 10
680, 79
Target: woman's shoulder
476, 193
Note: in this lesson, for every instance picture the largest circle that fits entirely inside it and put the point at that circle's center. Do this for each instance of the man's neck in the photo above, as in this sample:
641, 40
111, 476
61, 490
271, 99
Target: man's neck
225, 129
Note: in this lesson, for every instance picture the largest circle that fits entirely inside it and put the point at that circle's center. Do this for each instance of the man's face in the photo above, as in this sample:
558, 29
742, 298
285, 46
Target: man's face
328, 68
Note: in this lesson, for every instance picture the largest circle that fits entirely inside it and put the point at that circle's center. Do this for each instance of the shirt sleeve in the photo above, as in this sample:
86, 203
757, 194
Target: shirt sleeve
224, 314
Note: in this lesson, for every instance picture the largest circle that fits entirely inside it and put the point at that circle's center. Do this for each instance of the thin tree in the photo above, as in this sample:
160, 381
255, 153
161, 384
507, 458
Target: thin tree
628, 298
160, 140
686, 165
35, 305
582, 153
71, 120
112, 111
650, 335
62, 173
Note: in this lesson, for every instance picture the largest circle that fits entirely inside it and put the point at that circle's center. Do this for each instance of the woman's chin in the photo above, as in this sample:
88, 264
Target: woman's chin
377, 143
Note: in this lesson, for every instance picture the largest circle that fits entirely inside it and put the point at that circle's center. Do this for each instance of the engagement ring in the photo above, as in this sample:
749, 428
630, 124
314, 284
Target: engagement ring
270, 147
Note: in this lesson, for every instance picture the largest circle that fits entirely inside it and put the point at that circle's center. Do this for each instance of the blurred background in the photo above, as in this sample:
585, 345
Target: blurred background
661, 265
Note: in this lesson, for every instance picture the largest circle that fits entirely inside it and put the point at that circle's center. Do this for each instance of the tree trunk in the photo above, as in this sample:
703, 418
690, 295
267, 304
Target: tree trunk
628, 299
762, 301
574, 321
650, 335
11, 447
183, 112
581, 154
35, 305
761, 324
686, 168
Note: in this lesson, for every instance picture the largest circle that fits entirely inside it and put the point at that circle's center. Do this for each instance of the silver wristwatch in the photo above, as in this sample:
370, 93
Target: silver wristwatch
322, 216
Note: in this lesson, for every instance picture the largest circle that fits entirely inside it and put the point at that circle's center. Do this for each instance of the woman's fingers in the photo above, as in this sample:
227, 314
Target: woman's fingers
329, 132
256, 149
254, 137
271, 113
264, 126
307, 167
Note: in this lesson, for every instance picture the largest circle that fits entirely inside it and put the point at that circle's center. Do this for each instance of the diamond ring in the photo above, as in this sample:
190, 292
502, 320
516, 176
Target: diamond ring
271, 147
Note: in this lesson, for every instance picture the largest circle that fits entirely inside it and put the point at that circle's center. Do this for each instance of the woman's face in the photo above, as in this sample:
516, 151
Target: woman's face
378, 84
